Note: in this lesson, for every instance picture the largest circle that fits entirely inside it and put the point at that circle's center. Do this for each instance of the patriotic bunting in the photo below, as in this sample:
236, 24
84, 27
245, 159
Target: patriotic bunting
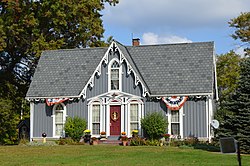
50, 102
174, 102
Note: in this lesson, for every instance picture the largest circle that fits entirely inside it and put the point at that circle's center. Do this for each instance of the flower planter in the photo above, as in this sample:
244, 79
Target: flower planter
95, 143
124, 143
87, 138
103, 137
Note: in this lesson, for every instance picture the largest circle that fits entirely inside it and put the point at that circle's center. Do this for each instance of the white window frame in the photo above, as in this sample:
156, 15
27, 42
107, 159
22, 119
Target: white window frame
180, 122
64, 111
109, 75
90, 121
96, 122
140, 115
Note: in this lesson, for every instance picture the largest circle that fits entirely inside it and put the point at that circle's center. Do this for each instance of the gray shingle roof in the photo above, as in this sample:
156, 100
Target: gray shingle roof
176, 68
64, 72
164, 69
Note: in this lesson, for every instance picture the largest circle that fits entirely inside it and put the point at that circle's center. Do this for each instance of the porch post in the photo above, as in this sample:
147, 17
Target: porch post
31, 120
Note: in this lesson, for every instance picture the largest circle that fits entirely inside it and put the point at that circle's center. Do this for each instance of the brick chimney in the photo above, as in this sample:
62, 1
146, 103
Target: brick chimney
136, 42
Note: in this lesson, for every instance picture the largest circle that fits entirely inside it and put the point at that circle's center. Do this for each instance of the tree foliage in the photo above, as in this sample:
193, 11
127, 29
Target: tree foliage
74, 127
236, 119
234, 81
28, 27
8, 122
154, 125
228, 71
242, 26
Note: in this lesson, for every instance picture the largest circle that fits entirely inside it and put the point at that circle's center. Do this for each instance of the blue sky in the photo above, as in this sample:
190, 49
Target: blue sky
175, 21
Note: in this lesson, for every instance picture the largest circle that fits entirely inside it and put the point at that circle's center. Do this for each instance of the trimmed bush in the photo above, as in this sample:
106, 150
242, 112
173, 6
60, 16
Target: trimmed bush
74, 127
154, 125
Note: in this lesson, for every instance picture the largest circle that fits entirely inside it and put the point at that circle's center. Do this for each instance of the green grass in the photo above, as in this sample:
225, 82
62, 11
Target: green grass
113, 155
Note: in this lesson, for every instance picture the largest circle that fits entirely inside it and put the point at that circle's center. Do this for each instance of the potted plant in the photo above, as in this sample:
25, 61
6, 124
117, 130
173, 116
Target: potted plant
123, 133
135, 133
87, 135
166, 136
94, 141
124, 140
103, 135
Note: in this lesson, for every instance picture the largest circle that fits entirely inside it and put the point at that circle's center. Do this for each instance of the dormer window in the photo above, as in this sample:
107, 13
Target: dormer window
114, 75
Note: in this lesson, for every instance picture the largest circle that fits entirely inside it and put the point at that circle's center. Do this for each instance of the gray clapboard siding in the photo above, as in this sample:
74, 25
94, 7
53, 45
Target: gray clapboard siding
79, 109
43, 122
128, 83
100, 83
155, 106
194, 121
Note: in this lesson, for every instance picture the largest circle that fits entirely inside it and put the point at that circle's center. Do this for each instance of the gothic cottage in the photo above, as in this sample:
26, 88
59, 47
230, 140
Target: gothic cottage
114, 87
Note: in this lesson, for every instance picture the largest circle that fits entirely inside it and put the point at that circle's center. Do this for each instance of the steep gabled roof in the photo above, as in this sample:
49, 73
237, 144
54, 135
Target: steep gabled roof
132, 63
176, 68
64, 72
166, 69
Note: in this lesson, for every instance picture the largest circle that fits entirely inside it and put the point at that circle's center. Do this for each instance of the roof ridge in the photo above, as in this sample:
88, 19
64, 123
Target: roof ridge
165, 44
74, 49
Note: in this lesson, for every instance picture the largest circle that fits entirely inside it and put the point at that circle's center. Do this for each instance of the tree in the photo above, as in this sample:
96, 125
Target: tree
28, 27
228, 71
154, 125
8, 122
234, 105
236, 122
242, 32
242, 107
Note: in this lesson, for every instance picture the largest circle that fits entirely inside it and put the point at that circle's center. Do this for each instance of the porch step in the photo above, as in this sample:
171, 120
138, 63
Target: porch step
110, 142
114, 137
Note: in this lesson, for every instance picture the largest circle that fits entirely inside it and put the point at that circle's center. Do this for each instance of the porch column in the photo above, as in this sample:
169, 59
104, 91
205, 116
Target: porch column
31, 120
210, 116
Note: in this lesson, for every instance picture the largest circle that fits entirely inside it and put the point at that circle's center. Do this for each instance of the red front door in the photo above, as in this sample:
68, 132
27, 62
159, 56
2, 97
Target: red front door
115, 120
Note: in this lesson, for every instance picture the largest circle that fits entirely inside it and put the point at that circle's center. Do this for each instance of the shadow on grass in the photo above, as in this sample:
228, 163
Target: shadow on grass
207, 147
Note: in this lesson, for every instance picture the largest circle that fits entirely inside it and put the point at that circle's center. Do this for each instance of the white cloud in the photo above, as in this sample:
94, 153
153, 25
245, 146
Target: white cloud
139, 14
152, 38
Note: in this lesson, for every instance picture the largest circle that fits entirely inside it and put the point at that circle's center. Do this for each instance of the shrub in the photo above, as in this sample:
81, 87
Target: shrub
191, 141
74, 127
154, 125
137, 141
177, 143
23, 141
152, 142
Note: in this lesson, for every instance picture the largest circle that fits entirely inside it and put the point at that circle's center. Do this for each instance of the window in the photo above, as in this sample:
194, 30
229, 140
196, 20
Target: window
59, 120
175, 123
114, 76
96, 119
134, 117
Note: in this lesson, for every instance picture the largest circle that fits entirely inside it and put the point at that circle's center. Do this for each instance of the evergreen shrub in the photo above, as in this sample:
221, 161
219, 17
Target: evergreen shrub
74, 127
154, 125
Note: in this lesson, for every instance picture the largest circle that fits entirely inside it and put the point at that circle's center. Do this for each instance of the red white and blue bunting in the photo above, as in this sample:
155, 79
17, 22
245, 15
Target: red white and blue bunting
174, 102
50, 102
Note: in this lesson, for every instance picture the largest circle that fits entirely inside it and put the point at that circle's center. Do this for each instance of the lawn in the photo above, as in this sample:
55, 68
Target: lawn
113, 155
